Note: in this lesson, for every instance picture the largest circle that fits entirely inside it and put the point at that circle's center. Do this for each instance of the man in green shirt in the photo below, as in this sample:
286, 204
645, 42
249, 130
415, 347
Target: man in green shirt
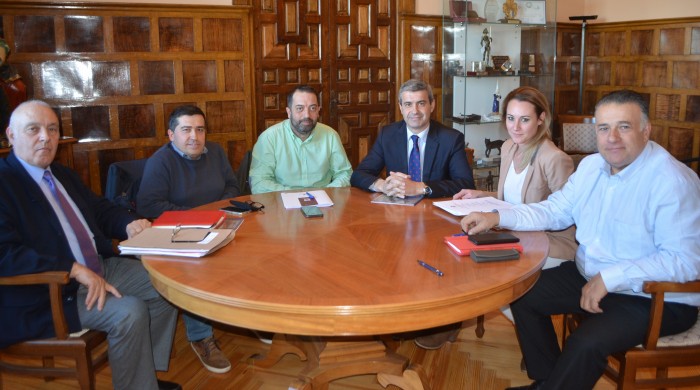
299, 152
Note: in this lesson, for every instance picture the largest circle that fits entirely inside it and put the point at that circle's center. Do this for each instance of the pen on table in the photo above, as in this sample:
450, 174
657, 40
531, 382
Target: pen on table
310, 196
430, 267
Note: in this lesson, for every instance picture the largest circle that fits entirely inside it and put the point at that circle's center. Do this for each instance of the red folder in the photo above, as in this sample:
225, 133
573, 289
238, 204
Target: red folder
190, 219
462, 246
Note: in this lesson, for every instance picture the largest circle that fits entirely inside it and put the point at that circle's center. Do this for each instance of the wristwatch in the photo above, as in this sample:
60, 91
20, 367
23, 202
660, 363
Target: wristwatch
427, 191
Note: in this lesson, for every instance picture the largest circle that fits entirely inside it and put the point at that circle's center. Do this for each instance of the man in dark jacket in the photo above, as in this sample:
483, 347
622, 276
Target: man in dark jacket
421, 157
50, 221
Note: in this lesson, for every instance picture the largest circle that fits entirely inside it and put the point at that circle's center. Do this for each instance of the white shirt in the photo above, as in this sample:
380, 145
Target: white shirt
641, 224
513, 185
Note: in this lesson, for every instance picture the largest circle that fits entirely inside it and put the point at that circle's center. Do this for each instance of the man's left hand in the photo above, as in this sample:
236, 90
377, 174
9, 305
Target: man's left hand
137, 227
592, 293
403, 186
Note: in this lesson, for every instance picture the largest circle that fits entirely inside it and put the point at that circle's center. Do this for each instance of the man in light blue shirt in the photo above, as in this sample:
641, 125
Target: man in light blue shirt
637, 215
299, 152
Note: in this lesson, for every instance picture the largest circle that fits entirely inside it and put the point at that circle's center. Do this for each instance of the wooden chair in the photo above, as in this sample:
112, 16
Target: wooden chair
87, 350
658, 353
577, 136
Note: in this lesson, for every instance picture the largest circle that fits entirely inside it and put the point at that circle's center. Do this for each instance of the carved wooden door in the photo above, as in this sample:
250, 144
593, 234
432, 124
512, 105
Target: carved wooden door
343, 48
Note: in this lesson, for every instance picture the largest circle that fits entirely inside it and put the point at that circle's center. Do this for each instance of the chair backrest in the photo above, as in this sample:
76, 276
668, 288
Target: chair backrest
123, 181
244, 173
578, 134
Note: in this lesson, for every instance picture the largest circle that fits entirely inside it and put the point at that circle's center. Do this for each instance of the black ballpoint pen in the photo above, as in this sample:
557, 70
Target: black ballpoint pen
430, 267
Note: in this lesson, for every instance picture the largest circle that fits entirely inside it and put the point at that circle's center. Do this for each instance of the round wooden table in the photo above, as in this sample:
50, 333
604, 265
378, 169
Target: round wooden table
353, 272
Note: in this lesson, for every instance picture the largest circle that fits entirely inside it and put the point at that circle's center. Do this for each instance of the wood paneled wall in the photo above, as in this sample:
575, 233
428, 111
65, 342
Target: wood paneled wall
657, 58
115, 72
420, 54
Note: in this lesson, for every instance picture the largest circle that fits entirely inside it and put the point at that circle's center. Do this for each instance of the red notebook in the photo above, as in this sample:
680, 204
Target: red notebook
462, 246
190, 219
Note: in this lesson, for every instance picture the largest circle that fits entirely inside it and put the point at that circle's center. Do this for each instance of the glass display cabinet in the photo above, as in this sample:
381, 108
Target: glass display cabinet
491, 47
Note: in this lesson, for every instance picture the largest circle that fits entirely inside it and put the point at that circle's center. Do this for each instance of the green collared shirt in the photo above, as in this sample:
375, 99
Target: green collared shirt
282, 161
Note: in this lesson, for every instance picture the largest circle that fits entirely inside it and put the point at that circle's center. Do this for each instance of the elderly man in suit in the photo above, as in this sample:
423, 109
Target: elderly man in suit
50, 221
422, 157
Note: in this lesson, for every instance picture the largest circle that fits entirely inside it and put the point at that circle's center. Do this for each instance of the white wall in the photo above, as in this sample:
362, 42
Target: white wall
607, 10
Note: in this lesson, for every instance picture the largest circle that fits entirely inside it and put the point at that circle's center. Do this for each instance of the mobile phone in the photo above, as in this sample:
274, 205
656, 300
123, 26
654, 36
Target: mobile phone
485, 256
493, 238
311, 212
235, 210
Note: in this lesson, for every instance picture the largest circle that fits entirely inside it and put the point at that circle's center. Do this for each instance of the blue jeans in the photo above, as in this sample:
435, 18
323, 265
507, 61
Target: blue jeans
197, 327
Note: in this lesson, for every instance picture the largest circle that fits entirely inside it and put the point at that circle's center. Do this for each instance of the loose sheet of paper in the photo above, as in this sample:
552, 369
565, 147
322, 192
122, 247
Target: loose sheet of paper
294, 200
462, 207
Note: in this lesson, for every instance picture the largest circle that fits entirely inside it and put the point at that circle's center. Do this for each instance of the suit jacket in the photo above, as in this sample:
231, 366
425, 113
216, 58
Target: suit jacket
445, 167
549, 171
32, 240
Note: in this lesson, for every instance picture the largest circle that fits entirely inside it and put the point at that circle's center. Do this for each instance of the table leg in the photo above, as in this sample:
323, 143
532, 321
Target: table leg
281, 345
335, 358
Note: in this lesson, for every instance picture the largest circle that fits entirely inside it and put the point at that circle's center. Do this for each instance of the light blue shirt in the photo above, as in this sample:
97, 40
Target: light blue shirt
641, 224
38, 175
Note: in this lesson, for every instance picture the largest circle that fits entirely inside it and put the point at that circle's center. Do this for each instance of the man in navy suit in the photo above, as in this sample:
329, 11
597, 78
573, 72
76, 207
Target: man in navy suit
443, 169
50, 221
438, 169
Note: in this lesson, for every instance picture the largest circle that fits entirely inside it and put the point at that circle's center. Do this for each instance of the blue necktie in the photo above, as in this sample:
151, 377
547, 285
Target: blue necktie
414, 161
84, 241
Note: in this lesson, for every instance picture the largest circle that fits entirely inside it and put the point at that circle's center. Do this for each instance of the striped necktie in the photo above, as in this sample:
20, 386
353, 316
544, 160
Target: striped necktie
84, 240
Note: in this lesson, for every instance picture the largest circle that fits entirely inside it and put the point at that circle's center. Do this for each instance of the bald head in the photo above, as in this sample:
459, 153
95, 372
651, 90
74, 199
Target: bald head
34, 132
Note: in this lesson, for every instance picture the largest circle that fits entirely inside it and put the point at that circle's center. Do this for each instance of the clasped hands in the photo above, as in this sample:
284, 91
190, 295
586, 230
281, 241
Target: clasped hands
400, 185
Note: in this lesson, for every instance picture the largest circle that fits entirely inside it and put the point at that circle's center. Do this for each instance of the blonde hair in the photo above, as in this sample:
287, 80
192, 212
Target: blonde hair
539, 101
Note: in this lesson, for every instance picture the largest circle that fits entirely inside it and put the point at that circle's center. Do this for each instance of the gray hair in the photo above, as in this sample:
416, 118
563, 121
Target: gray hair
414, 85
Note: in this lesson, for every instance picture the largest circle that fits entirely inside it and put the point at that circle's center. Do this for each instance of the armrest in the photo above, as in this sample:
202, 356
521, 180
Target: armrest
60, 277
55, 279
657, 291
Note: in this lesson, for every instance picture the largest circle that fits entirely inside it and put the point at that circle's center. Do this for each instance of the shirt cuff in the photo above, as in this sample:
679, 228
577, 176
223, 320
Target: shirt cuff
507, 218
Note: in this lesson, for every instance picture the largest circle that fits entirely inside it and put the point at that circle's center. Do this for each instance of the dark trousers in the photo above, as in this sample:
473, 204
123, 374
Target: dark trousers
622, 325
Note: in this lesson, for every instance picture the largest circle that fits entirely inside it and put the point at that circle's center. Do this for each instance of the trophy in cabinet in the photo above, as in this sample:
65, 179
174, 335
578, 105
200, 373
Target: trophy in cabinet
510, 10
486, 47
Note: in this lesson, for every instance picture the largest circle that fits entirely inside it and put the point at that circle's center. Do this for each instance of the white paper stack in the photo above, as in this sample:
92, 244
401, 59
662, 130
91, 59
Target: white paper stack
158, 241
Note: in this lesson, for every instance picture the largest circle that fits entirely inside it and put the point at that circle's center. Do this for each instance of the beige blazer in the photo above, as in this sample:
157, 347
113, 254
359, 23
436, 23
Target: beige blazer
548, 172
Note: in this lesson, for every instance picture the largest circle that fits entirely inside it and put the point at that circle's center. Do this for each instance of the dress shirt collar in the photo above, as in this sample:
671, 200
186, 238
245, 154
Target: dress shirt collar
629, 170
35, 172
421, 136
184, 155
293, 136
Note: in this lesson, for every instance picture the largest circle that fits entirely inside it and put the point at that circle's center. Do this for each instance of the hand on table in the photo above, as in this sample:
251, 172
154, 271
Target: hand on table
479, 222
137, 227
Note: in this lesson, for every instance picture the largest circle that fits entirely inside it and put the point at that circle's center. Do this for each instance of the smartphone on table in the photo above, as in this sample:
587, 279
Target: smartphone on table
233, 210
311, 211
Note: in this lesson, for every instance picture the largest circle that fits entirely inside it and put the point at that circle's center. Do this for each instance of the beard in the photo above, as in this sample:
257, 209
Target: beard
303, 126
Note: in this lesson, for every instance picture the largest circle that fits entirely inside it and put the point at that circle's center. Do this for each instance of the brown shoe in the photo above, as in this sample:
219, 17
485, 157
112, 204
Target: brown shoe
210, 355
437, 337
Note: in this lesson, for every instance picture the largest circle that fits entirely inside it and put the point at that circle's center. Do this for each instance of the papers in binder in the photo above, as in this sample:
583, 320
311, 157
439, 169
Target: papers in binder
294, 200
159, 241
462, 207
190, 219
